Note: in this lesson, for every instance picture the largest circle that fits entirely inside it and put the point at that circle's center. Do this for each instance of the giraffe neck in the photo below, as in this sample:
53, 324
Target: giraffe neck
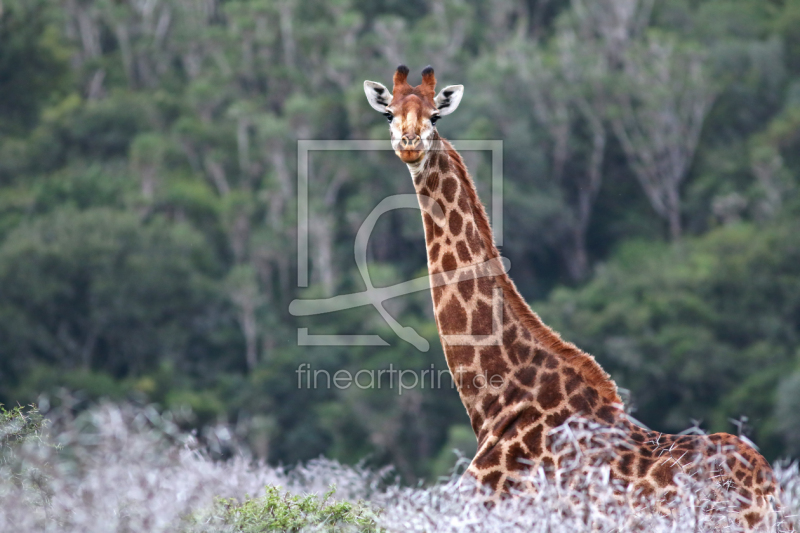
505, 362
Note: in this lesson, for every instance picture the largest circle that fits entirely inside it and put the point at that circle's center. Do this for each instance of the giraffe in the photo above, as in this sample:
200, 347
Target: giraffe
518, 380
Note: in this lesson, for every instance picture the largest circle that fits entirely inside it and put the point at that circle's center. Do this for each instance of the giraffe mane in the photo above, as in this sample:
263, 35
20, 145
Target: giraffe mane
584, 363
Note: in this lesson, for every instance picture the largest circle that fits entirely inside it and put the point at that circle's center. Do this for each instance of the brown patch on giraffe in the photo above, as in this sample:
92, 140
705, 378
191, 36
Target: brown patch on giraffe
489, 458
644, 465
460, 355
429, 225
543, 358
643, 489
513, 395
526, 375
516, 458
433, 180
437, 294
492, 479
434, 253
752, 519
449, 188
510, 487
467, 383
549, 468
466, 287
444, 162
591, 396
491, 405
486, 285
482, 320
476, 419
509, 336
607, 413
424, 191
463, 203
433, 160
625, 464
449, 264
571, 380
455, 223
453, 318
533, 440
549, 391
473, 238
521, 351
556, 419
492, 362
579, 404
663, 473
527, 417
463, 253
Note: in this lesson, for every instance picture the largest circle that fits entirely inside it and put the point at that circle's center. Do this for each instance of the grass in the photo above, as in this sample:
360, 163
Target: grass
282, 511
119, 469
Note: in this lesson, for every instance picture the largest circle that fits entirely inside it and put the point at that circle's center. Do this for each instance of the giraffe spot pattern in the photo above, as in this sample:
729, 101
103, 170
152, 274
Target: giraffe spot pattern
455, 223
492, 479
463, 203
514, 395
490, 458
444, 163
449, 188
572, 380
429, 225
449, 264
434, 253
463, 253
557, 419
433, 181
460, 355
485, 286
492, 362
467, 384
526, 375
549, 391
516, 459
482, 320
466, 287
453, 318
490, 405
473, 238
533, 441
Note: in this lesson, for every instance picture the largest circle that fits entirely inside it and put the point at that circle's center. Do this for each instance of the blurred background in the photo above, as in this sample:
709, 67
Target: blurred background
148, 154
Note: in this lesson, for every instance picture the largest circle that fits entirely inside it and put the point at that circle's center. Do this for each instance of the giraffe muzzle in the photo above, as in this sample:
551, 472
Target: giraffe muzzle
410, 142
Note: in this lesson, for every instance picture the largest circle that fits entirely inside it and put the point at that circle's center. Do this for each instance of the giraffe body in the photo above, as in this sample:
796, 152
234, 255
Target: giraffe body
518, 380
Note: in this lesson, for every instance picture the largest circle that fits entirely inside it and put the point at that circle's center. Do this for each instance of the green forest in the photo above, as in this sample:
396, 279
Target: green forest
149, 213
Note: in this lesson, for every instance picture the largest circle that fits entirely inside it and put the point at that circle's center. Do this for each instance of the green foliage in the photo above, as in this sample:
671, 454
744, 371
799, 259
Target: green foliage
18, 426
277, 511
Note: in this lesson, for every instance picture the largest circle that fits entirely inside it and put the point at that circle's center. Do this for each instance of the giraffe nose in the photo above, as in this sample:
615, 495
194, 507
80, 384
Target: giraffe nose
410, 141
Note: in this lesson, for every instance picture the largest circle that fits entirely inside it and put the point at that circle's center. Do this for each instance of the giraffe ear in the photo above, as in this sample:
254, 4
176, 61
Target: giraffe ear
378, 95
448, 99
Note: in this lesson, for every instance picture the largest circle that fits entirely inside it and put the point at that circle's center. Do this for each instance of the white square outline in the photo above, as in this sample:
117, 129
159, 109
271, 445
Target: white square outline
306, 146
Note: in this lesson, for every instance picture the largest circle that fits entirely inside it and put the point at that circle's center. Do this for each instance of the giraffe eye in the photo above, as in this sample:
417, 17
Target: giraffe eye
434, 118
389, 116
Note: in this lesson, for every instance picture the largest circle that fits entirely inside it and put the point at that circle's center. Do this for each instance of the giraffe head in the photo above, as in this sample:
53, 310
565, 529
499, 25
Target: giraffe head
413, 111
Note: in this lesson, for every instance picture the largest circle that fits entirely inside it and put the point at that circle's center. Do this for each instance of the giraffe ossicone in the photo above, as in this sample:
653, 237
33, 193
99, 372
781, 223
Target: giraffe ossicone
545, 384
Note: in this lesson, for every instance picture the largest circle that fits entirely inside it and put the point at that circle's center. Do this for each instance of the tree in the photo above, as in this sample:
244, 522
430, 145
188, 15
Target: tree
659, 109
